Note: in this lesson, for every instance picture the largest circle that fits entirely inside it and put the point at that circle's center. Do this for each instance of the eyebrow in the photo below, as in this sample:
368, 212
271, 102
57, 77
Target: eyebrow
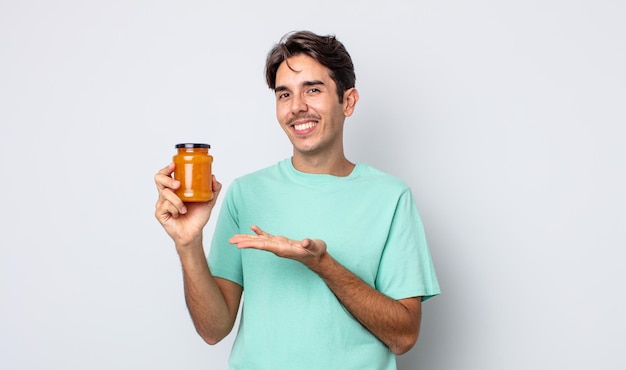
305, 83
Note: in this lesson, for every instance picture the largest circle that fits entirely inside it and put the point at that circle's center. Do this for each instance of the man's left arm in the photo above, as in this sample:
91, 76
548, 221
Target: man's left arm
394, 322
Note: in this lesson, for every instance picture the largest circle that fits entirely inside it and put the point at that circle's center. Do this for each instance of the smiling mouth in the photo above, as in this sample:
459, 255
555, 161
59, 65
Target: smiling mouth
304, 126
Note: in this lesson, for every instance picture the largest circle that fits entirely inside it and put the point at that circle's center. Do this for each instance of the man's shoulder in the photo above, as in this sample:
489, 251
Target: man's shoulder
372, 174
270, 171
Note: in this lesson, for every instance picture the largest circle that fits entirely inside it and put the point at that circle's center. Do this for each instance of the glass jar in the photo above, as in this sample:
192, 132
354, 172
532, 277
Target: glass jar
193, 170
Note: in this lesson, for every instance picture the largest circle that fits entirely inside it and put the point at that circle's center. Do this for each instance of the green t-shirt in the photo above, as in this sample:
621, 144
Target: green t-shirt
290, 318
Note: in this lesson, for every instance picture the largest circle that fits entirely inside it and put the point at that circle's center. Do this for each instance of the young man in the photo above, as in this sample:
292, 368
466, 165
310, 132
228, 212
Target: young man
336, 266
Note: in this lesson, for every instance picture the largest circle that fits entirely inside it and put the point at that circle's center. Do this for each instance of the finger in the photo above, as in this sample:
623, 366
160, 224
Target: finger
309, 246
163, 178
171, 202
247, 240
257, 230
165, 210
215, 185
262, 244
167, 170
239, 238
165, 184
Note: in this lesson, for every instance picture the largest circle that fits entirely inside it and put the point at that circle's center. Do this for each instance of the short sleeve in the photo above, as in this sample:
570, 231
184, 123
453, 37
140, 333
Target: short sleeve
406, 268
224, 258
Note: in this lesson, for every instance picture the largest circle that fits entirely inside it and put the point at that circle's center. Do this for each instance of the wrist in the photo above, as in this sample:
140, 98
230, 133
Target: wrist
190, 248
321, 263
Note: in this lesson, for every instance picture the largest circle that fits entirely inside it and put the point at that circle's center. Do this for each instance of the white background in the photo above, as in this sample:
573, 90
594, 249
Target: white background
505, 117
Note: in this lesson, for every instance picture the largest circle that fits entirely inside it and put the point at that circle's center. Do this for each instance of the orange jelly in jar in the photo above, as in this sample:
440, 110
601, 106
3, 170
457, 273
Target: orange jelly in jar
193, 170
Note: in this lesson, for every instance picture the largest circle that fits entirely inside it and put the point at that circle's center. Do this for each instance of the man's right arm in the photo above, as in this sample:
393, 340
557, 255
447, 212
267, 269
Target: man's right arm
213, 302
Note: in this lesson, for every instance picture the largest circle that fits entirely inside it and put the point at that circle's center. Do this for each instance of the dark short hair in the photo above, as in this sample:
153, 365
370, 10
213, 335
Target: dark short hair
326, 50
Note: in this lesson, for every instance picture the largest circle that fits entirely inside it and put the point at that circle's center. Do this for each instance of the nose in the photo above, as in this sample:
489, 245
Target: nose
298, 104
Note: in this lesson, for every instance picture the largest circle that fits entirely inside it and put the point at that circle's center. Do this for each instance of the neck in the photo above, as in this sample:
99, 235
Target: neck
336, 166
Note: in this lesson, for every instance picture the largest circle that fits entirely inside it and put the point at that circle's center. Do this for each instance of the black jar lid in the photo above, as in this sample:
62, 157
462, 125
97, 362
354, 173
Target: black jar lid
192, 145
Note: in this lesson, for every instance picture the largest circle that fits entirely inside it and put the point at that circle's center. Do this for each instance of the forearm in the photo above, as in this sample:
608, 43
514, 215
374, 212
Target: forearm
212, 316
393, 322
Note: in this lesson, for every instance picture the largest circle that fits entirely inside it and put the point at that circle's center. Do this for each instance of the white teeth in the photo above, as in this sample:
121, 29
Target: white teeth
304, 126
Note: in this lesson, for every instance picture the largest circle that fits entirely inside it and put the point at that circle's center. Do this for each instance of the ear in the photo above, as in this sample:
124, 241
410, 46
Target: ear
350, 97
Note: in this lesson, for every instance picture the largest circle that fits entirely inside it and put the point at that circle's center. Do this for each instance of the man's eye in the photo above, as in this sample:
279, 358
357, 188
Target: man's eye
314, 90
283, 95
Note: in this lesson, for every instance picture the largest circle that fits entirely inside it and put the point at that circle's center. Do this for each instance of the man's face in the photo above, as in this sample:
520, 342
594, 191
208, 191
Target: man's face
308, 108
